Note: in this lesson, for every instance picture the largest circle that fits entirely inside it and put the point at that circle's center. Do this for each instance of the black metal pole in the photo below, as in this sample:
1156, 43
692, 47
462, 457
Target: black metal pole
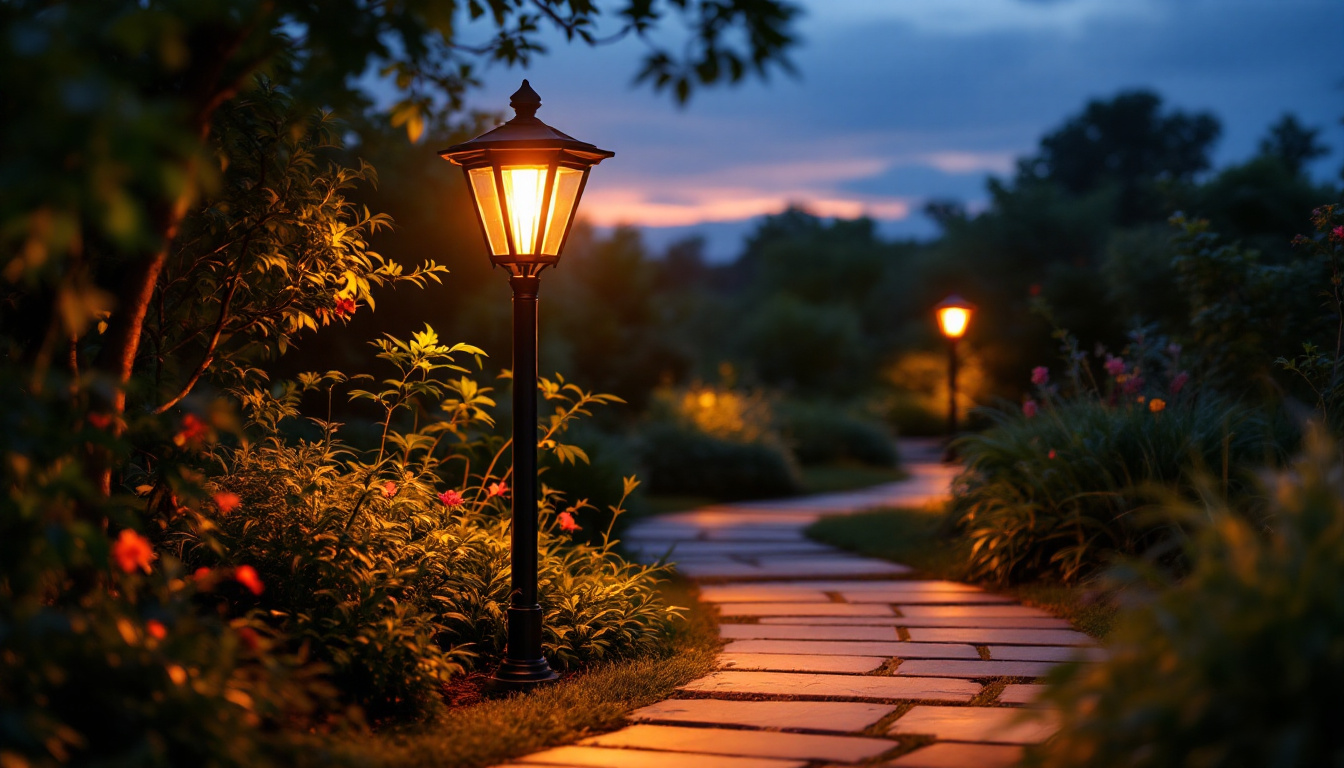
952, 388
523, 664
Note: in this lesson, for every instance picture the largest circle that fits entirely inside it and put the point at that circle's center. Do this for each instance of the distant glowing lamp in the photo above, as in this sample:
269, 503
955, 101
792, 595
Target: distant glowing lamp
525, 179
954, 316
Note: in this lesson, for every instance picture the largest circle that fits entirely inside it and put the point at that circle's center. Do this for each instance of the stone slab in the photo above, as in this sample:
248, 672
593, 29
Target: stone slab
791, 662
795, 632
838, 686
999, 636
836, 716
961, 668
996, 622
723, 741
929, 597
1021, 694
760, 593
598, 757
893, 648
954, 755
1046, 653
995, 725
968, 611
730, 548
803, 609
788, 568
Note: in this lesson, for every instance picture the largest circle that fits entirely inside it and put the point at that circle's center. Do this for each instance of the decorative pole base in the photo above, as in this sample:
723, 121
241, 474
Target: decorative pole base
524, 667
515, 675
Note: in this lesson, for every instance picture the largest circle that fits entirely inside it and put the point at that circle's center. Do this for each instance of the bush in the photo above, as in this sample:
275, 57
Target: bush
1239, 664
1063, 485
396, 582
821, 434
717, 442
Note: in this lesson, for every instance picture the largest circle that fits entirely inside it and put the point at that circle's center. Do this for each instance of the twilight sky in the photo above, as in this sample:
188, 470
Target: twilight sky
901, 100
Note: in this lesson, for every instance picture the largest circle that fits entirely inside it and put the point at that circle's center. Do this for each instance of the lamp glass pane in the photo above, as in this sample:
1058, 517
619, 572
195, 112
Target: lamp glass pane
487, 201
564, 194
954, 321
524, 188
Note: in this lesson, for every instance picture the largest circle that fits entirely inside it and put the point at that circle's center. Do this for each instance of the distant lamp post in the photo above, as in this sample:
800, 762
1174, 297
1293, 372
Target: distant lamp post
526, 179
954, 315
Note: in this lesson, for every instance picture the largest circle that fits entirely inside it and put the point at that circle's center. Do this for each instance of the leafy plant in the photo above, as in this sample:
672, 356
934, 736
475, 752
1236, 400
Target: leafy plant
1241, 662
821, 433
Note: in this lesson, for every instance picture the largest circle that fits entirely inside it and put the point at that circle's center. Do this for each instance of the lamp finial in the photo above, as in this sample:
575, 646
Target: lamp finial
525, 101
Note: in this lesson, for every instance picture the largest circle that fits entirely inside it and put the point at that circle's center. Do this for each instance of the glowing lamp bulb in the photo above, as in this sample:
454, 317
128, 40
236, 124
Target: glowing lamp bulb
954, 321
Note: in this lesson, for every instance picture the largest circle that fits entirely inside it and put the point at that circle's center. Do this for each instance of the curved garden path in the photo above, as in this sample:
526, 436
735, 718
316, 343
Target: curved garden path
836, 659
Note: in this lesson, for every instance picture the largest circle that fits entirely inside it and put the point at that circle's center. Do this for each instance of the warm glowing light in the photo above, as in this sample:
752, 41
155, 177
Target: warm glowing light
954, 321
524, 189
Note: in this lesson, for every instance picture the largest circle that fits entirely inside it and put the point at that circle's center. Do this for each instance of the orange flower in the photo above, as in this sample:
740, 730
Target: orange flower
1157, 404
131, 551
345, 307
247, 576
156, 629
389, 489
567, 523
192, 432
227, 501
498, 489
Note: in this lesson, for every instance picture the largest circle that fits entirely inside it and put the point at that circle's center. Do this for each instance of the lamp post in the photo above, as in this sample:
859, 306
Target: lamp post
526, 179
954, 315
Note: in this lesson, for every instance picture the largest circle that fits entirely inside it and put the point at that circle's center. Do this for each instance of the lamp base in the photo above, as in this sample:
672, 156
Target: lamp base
516, 675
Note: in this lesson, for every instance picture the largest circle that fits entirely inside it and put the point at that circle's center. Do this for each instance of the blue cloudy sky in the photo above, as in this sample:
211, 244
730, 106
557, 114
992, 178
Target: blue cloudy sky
901, 100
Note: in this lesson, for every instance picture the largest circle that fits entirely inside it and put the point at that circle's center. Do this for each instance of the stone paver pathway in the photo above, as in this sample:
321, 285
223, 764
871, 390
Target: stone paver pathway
834, 659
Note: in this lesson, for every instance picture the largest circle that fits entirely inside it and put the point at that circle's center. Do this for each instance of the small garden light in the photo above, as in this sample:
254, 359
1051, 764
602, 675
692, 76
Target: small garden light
525, 178
954, 316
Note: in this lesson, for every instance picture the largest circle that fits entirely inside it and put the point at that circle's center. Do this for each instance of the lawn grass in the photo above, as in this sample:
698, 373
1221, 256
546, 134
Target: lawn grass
915, 537
492, 730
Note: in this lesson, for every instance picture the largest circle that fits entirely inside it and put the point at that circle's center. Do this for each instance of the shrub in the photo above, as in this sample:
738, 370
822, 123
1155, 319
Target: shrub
386, 571
1242, 662
820, 434
1062, 486
717, 442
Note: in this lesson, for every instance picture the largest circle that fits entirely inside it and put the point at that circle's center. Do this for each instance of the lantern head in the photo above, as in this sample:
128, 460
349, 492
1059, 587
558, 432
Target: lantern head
954, 315
525, 178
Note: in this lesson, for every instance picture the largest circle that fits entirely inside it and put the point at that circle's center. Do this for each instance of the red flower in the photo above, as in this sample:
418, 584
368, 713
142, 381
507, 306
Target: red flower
250, 638
227, 501
1178, 383
131, 551
345, 307
451, 499
567, 523
247, 576
1040, 375
1035, 289
1052, 453
1030, 409
192, 432
498, 489
100, 420
389, 489
156, 629
1338, 233
1115, 366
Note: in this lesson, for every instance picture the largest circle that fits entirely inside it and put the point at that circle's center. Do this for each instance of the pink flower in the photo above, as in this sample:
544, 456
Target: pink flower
498, 489
132, 551
1178, 383
1131, 384
1030, 409
247, 576
451, 499
389, 489
567, 523
1338, 233
227, 501
1173, 349
1040, 375
1115, 366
